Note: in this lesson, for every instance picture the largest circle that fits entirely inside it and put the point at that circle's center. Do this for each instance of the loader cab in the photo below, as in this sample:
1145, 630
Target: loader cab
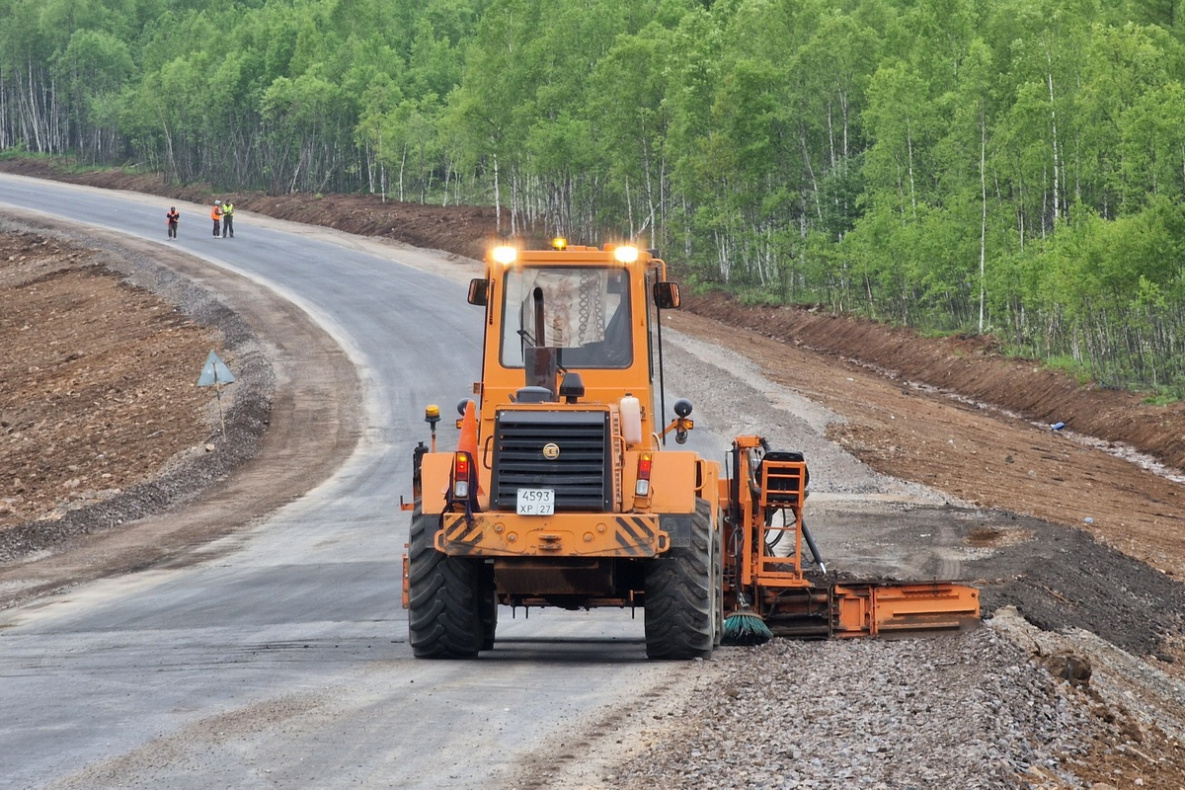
569, 325
581, 313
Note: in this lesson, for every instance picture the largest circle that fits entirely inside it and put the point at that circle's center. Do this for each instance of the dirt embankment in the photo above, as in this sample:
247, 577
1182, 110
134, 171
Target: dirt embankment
112, 458
973, 368
98, 388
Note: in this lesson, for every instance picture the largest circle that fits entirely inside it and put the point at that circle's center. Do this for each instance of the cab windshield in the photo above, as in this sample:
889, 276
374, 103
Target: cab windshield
584, 312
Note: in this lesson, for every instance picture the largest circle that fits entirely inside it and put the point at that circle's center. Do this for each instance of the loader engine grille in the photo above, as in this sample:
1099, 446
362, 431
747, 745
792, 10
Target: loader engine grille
580, 472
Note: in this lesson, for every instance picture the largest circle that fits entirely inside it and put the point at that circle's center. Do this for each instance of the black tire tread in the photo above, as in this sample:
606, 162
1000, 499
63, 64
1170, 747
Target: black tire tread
489, 610
442, 618
681, 595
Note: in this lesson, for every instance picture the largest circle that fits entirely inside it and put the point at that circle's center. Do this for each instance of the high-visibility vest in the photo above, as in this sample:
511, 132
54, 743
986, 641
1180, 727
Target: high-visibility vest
228, 209
216, 212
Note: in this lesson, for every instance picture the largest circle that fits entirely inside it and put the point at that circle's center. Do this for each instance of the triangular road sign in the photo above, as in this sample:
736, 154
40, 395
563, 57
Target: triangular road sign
214, 372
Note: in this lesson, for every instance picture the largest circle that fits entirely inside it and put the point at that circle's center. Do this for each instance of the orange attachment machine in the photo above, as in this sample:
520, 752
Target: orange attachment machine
562, 492
765, 533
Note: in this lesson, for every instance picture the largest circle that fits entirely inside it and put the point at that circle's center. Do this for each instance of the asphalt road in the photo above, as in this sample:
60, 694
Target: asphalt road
282, 660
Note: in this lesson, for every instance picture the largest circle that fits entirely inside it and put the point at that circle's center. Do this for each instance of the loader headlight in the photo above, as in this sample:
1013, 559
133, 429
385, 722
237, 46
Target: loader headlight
626, 254
505, 255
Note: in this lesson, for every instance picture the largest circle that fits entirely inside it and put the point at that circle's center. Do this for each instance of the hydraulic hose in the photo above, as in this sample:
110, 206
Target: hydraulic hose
810, 543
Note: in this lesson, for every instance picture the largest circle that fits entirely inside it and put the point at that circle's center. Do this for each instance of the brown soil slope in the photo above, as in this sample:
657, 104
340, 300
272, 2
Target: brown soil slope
973, 368
98, 380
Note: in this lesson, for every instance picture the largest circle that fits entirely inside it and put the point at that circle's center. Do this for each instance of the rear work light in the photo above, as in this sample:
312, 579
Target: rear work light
642, 488
461, 470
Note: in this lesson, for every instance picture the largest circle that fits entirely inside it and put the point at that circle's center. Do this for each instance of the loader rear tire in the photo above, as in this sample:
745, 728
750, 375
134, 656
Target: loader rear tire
443, 618
682, 593
718, 584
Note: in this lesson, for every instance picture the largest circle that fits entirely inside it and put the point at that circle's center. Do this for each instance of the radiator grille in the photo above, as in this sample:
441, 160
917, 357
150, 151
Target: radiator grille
580, 473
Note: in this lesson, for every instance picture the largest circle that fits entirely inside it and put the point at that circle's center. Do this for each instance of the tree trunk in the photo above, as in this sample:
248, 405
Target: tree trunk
983, 214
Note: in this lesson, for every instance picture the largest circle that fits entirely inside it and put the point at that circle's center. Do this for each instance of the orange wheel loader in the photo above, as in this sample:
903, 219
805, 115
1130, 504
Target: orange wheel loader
561, 490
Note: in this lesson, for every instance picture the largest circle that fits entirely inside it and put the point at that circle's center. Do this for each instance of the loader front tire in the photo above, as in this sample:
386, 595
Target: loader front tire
682, 595
443, 619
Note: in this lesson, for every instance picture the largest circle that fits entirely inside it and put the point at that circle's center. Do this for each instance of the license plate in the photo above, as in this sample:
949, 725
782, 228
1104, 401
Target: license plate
536, 501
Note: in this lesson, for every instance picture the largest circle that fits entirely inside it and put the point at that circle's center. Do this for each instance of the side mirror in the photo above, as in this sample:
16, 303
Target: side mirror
666, 295
479, 291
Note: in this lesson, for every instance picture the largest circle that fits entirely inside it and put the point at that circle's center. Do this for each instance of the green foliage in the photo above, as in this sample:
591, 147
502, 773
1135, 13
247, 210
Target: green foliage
1071, 367
1014, 166
1166, 396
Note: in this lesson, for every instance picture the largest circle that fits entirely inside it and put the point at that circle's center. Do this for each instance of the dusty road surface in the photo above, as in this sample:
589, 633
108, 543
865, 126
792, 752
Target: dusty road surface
1081, 539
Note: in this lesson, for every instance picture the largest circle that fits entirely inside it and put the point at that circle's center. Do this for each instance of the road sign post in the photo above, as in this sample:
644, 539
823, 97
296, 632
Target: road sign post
216, 374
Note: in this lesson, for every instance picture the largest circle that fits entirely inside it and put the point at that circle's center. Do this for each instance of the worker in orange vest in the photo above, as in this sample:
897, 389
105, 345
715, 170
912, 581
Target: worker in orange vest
216, 215
172, 218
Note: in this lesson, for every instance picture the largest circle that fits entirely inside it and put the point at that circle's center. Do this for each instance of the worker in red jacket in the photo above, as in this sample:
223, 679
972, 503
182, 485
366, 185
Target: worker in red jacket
172, 218
216, 215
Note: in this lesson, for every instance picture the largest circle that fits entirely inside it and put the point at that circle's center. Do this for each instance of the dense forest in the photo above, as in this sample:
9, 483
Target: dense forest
1006, 166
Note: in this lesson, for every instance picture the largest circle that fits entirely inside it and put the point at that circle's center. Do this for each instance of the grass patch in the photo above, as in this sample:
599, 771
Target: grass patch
753, 297
20, 152
1071, 367
1167, 395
